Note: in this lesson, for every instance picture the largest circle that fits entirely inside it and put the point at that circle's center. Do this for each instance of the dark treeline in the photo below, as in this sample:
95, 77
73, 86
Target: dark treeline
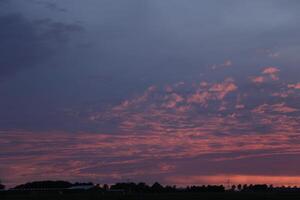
44, 184
131, 187
49, 185
118, 187
63, 190
2, 187
158, 188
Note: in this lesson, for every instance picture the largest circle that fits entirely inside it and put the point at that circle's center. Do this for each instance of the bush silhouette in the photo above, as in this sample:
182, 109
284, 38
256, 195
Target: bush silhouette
45, 185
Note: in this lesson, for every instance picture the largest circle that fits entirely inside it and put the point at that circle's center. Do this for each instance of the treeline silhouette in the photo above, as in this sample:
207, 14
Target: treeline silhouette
131, 187
118, 187
2, 187
158, 188
49, 185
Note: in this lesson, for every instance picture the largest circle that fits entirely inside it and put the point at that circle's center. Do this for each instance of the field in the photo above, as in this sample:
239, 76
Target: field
91, 195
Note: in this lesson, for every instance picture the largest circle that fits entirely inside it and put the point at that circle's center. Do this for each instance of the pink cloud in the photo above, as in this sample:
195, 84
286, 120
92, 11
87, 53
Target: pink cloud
240, 106
226, 63
153, 128
283, 108
199, 97
283, 94
270, 70
222, 89
216, 91
165, 167
280, 108
172, 100
60, 155
258, 79
294, 86
269, 73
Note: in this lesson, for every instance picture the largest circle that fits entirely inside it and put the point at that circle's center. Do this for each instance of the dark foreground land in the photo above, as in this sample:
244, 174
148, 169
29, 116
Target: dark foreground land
62, 190
93, 195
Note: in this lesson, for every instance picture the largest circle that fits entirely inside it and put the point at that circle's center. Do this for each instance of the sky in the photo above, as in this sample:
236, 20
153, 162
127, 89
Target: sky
180, 92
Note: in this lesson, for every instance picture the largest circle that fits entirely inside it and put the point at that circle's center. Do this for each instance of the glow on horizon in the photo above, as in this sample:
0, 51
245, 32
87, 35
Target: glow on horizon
287, 181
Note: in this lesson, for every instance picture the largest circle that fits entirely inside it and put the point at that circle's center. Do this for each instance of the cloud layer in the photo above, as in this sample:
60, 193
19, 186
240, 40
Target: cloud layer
171, 91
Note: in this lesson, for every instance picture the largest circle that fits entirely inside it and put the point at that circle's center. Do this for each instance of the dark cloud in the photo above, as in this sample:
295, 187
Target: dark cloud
52, 6
25, 43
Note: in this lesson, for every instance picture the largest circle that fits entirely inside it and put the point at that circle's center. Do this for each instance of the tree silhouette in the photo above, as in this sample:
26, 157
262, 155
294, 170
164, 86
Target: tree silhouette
105, 187
129, 187
239, 187
142, 187
45, 185
156, 187
2, 187
233, 187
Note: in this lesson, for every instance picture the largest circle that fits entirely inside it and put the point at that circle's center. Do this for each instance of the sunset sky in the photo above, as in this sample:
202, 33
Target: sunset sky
180, 92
